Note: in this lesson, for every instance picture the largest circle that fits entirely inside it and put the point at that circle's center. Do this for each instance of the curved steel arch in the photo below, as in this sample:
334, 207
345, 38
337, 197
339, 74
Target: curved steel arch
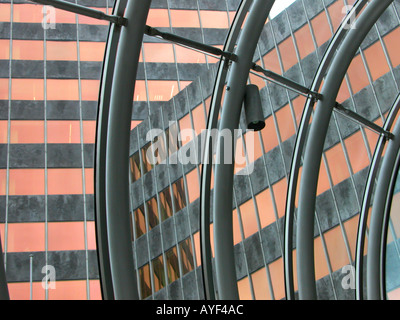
205, 180
299, 146
315, 143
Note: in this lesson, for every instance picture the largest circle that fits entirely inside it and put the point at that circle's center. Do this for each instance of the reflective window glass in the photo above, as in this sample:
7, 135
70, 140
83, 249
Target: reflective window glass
140, 221
178, 190
134, 161
166, 210
145, 283
152, 212
158, 273
27, 50
186, 256
172, 265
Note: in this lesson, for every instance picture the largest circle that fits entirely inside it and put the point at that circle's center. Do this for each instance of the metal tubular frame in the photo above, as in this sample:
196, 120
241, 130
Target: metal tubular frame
362, 225
205, 180
100, 145
299, 146
117, 151
380, 208
223, 196
315, 143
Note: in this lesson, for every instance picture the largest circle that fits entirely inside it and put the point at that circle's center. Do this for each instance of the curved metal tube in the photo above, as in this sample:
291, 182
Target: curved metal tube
4, 295
378, 213
366, 203
299, 145
117, 151
205, 180
100, 155
224, 171
315, 144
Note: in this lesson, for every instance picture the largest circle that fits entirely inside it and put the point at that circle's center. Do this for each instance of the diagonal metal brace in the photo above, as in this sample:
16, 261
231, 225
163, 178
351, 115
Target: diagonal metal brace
153, 32
287, 83
361, 120
82, 10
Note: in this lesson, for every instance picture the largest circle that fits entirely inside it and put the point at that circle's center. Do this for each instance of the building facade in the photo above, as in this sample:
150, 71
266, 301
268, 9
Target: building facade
51, 63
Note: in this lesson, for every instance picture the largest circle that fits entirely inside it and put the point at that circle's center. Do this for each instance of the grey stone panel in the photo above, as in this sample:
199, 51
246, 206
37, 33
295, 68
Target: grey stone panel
296, 15
180, 103
242, 190
65, 208
62, 69
386, 91
258, 177
26, 156
161, 294
189, 286
190, 71
156, 120
148, 185
212, 5
175, 290
140, 110
215, 36
62, 32
280, 27
137, 194
26, 69
309, 66
168, 233
175, 171
62, 109
161, 175
64, 155
313, 7
88, 154
26, 208
89, 32
89, 110
194, 93
4, 109
143, 129
342, 293
26, 110
5, 68
18, 266
23, 31
194, 215
270, 243
345, 195
182, 225
3, 156
266, 42
274, 162
4, 30
142, 250
133, 144
90, 69
326, 211
277, 94
388, 21
155, 245
69, 265
240, 261
254, 254
324, 289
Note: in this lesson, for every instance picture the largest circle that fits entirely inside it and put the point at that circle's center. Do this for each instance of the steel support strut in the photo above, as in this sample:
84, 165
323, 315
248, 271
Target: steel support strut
82, 10
117, 151
224, 171
315, 144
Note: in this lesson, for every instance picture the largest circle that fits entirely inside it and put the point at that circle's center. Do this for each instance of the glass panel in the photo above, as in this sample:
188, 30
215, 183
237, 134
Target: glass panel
26, 182
178, 190
288, 53
158, 52
321, 30
276, 274
249, 220
158, 273
64, 181
62, 50
135, 167
27, 89
184, 19
70, 89
145, 284
165, 204
260, 285
172, 265
26, 131
69, 290
244, 289
66, 236
186, 256
63, 131
214, 19
152, 212
25, 237
193, 184
27, 50
147, 165
304, 41
140, 221
91, 51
